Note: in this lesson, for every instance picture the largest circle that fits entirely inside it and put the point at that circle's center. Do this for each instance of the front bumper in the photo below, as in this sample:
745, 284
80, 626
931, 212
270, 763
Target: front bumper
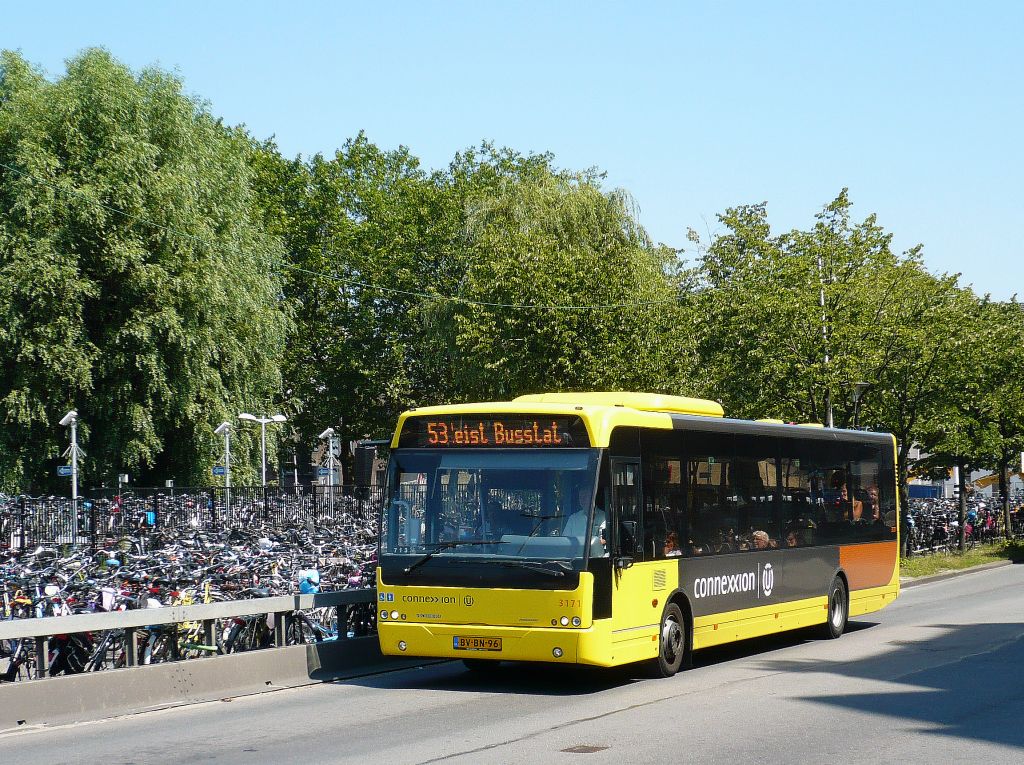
517, 643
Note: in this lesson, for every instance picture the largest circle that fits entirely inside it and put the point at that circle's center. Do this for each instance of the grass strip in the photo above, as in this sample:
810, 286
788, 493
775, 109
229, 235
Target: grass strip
937, 563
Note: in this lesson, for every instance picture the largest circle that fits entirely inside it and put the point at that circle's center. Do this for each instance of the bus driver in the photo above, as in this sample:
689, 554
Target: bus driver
576, 524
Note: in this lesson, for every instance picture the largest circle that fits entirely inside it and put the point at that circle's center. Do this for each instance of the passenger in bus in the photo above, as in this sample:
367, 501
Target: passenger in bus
842, 506
836, 500
853, 507
762, 541
873, 509
720, 543
794, 538
671, 548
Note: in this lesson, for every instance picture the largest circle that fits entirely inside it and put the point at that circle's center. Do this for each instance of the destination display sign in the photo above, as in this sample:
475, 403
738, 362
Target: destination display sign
494, 431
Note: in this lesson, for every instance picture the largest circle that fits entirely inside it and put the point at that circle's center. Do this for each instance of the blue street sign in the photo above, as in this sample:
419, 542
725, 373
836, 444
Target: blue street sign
219, 470
64, 470
322, 472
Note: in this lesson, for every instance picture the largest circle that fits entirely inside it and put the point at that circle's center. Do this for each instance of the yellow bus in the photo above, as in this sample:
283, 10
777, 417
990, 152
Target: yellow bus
610, 528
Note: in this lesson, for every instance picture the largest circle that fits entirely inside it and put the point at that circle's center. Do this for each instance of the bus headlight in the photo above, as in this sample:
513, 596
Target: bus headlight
402, 645
556, 652
383, 614
394, 614
576, 621
564, 621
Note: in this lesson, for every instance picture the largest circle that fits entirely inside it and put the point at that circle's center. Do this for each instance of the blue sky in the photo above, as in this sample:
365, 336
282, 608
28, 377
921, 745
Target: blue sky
691, 107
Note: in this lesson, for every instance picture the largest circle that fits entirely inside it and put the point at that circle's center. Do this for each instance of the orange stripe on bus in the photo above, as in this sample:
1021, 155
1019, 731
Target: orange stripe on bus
869, 565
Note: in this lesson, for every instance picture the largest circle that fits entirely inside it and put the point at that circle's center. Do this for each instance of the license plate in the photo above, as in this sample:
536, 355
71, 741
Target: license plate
470, 643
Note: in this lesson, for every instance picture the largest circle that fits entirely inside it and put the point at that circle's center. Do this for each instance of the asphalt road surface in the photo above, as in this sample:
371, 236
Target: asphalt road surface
937, 677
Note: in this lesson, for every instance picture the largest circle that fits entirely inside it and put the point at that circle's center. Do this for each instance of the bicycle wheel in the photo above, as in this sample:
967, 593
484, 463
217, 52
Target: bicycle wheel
164, 649
107, 649
232, 639
22, 662
301, 630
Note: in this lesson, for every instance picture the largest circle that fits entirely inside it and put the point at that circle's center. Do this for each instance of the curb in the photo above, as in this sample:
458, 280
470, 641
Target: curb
913, 582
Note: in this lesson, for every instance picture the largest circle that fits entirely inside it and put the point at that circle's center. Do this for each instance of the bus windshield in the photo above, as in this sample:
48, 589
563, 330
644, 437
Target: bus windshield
498, 504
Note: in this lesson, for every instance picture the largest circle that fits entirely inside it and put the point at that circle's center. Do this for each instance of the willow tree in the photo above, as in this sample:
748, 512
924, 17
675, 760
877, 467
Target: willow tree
563, 290
134, 284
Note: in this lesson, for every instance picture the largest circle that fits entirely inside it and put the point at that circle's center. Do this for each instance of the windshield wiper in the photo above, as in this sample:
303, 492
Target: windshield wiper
447, 546
540, 567
536, 527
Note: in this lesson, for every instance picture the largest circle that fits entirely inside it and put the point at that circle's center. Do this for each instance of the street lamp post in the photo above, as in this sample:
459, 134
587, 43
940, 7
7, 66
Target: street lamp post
263, 421
858, 391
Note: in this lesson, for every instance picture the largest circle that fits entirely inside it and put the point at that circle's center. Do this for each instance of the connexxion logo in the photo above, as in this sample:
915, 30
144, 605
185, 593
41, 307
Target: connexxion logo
728, 584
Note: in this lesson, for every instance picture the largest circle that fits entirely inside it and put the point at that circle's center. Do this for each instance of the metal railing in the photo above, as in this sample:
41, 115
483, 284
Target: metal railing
42, 629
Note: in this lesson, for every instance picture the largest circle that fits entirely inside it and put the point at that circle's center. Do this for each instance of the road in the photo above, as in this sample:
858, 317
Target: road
936, 677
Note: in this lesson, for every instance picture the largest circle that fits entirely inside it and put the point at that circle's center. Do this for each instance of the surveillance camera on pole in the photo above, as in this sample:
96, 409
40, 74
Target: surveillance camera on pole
332, 461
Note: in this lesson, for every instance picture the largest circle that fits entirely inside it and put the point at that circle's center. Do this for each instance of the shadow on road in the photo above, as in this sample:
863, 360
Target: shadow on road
505, 677
561, 680
965, 681
746, 649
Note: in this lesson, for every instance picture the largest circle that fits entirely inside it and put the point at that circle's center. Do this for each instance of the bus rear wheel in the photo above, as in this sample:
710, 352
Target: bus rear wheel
838, 610
672, 643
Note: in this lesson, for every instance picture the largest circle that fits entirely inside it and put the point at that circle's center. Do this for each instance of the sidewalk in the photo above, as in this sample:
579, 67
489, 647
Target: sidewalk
909, 581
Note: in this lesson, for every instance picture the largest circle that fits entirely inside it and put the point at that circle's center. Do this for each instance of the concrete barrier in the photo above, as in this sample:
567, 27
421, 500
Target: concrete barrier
99, 695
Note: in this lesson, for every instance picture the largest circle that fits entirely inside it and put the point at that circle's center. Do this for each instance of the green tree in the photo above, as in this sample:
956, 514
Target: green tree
961, 432
1000, 341
910, 360
135, 285
365, 231
387, 261
541, 238
785, 318
790, 323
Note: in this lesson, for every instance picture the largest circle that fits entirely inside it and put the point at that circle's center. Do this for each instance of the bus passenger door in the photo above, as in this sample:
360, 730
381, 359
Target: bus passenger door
634, 619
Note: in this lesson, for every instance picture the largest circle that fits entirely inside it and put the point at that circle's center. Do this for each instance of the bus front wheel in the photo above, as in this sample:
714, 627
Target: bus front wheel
672, 643
838, 610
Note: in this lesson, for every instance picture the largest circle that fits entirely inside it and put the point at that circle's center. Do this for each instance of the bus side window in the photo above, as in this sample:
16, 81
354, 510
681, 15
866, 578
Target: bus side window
663, 518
